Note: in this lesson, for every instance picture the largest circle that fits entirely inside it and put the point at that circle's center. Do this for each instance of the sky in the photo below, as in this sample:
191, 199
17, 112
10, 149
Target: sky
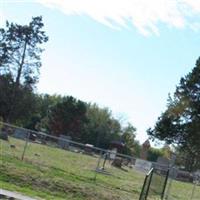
127, 55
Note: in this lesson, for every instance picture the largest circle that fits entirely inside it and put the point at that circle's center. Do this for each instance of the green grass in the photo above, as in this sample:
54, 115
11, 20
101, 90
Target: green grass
183, 191
52, 173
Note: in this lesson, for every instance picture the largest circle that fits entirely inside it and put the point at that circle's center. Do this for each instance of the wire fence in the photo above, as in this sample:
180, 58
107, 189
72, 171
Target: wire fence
81, 162
159, 182
186, 182
155, 184
85, 162
146, 185
171, 184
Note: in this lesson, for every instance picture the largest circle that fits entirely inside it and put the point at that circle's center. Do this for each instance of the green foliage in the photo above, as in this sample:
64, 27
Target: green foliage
167, 152
20, 52
180, 123
128, 137
45, 102
39, 119
20, 62
68, 117
19, 68
154, 153
6, 90
22, 104
87, 123
101, 128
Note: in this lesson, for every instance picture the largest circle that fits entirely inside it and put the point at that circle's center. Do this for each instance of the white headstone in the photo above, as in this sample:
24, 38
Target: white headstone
63, 141
113, 153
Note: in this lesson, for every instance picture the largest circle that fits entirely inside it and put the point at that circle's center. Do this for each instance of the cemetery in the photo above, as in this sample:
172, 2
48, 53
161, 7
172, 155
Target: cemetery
92, 123
47, 170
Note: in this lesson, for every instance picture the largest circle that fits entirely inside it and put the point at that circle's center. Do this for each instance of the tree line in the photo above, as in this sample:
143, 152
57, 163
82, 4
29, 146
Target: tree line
21, 47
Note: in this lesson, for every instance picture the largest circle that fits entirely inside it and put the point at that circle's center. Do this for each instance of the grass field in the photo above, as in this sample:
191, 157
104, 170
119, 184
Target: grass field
52, 173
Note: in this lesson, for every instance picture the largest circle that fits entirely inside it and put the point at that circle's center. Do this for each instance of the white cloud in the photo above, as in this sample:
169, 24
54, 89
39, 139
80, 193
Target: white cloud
145, 15
193, 4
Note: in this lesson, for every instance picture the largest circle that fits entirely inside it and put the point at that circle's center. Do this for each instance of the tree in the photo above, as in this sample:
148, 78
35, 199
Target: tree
6, 88
128, 137
180, 123
154, 154
20, 50
101, 128
39, 120
68, 117
24, 100
167, 152
46, 102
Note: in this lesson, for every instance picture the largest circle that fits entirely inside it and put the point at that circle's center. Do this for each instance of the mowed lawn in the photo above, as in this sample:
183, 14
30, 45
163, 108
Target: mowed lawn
52, 173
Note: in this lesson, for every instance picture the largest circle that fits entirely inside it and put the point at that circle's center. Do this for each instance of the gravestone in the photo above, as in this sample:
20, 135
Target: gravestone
112, 154
89, 149
117, 162
64, 141
118, 147
20, 133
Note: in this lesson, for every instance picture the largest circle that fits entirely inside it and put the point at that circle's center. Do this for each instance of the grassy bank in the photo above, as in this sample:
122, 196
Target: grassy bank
52, 173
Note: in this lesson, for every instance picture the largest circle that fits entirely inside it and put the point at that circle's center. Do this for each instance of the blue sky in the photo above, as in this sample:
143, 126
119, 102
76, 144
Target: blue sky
126, 55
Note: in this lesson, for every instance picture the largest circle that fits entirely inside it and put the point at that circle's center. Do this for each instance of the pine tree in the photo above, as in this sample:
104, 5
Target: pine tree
180, 123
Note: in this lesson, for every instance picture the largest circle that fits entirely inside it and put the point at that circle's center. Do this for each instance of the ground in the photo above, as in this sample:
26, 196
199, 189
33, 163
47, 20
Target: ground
52, 173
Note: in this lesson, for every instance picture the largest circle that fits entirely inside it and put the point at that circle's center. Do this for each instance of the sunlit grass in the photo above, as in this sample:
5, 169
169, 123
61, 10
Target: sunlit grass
52, 173
60, 174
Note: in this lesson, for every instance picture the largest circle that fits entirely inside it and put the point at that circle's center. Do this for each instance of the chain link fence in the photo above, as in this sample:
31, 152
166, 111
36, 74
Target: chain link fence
77, 161
170, 184
186, 182
84, 162
155, 184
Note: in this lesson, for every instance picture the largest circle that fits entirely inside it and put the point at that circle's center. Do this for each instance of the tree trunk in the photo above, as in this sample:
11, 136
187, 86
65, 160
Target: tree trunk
16, 85
19, 72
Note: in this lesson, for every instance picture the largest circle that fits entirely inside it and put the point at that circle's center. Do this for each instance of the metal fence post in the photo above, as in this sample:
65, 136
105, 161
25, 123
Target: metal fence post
143, 192
171, 169
151, 175
144, 184
170, 183
25, 146
165, 184
193, 190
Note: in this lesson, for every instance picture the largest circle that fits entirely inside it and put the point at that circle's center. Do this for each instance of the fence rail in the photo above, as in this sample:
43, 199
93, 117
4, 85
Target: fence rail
92, 163
76, 161
41, 136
